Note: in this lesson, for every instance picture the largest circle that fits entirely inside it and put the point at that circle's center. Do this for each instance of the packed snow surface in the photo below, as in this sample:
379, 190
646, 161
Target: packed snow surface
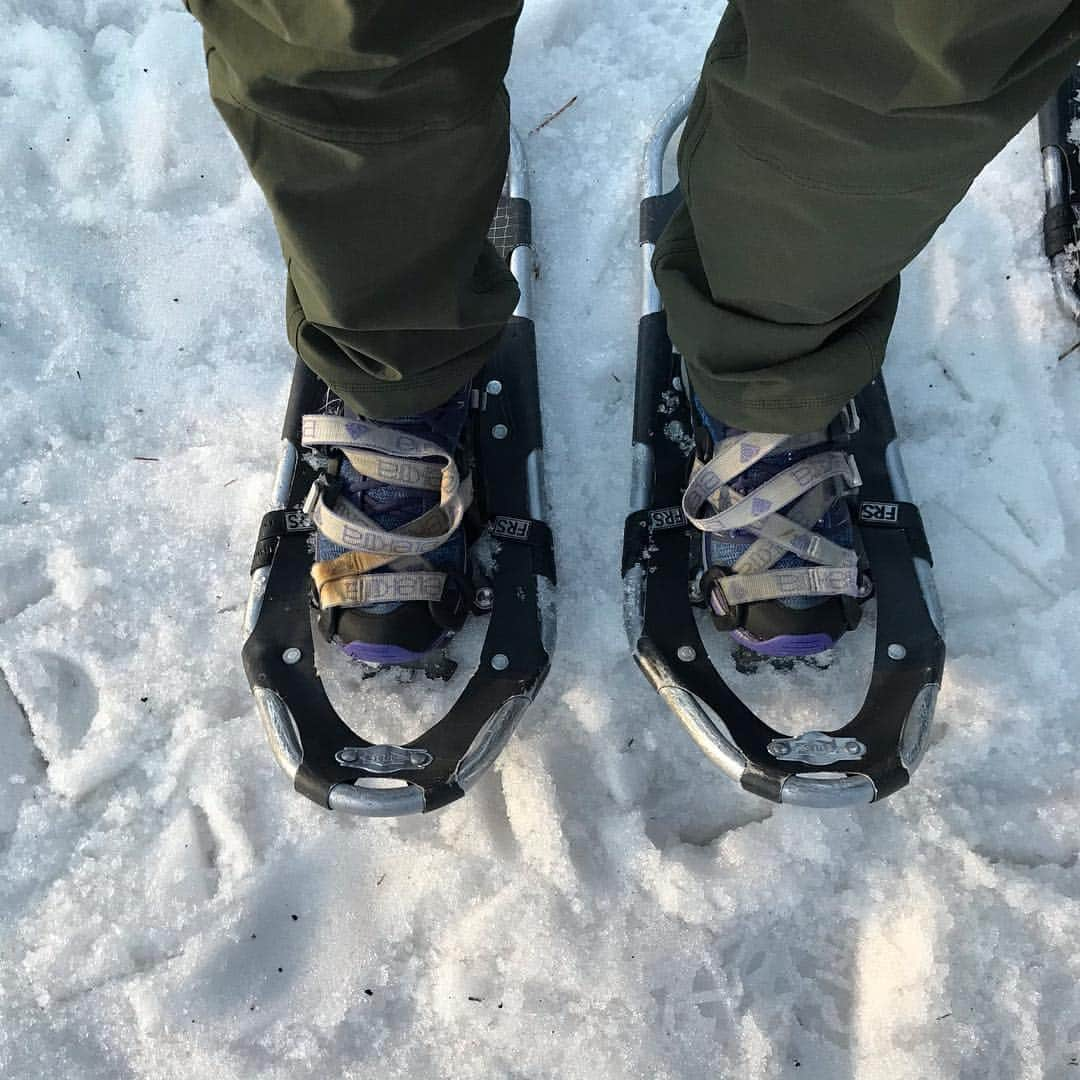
604, 904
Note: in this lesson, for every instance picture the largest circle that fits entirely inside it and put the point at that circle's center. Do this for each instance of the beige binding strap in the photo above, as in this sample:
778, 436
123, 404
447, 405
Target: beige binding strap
776, 493
792, 532
399, 471
800, 581
807, 487
357, 591
393, 457
348, 527
341, 582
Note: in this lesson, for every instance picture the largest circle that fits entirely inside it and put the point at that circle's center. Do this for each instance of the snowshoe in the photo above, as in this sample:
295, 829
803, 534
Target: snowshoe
490, 490
1061, 178
668, 570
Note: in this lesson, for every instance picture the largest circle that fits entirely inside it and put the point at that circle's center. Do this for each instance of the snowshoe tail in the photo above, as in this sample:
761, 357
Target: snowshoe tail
876, 752
1061, 179
323, 757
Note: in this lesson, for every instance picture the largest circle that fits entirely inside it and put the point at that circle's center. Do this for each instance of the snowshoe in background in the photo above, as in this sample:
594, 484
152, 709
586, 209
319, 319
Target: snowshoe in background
776, 566
393, 582
1061, 177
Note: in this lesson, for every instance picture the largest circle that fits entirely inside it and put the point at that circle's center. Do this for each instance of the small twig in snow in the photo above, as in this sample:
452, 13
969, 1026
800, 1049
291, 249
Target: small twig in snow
1069, 350
553, 116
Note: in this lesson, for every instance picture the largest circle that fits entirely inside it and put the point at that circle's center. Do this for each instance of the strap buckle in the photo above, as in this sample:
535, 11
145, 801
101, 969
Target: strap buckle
328, 483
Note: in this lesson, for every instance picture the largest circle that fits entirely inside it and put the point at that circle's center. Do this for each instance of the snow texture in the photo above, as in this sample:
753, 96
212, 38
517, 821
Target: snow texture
604, 904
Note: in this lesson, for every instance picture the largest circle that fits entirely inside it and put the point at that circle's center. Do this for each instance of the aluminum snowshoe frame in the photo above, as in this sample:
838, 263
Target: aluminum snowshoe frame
323, 757
876, 752
1061, 182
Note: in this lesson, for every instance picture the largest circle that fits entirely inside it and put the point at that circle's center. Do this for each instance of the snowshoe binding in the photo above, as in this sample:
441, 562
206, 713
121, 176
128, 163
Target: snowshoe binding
383, 538
780, 571
388, 506
782, 539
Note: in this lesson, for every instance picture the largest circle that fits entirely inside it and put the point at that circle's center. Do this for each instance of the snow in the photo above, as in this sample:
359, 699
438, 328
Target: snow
604, 904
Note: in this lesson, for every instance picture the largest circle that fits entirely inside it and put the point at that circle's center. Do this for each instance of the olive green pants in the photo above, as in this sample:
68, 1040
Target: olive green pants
827, 141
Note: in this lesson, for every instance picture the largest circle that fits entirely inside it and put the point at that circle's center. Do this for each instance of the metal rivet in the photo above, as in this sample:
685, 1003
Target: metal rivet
494, 387
500, 662
779, 749
291, 656
897, 652
500, 431
485, 598
686, 653
853, 748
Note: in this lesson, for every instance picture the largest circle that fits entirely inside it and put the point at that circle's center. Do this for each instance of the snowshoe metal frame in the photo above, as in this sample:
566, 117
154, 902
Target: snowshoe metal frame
323, 757
1061, 179
875, 753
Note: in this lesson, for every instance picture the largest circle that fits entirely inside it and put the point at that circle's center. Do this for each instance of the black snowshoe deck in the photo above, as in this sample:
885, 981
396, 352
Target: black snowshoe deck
321, 753
874, 754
